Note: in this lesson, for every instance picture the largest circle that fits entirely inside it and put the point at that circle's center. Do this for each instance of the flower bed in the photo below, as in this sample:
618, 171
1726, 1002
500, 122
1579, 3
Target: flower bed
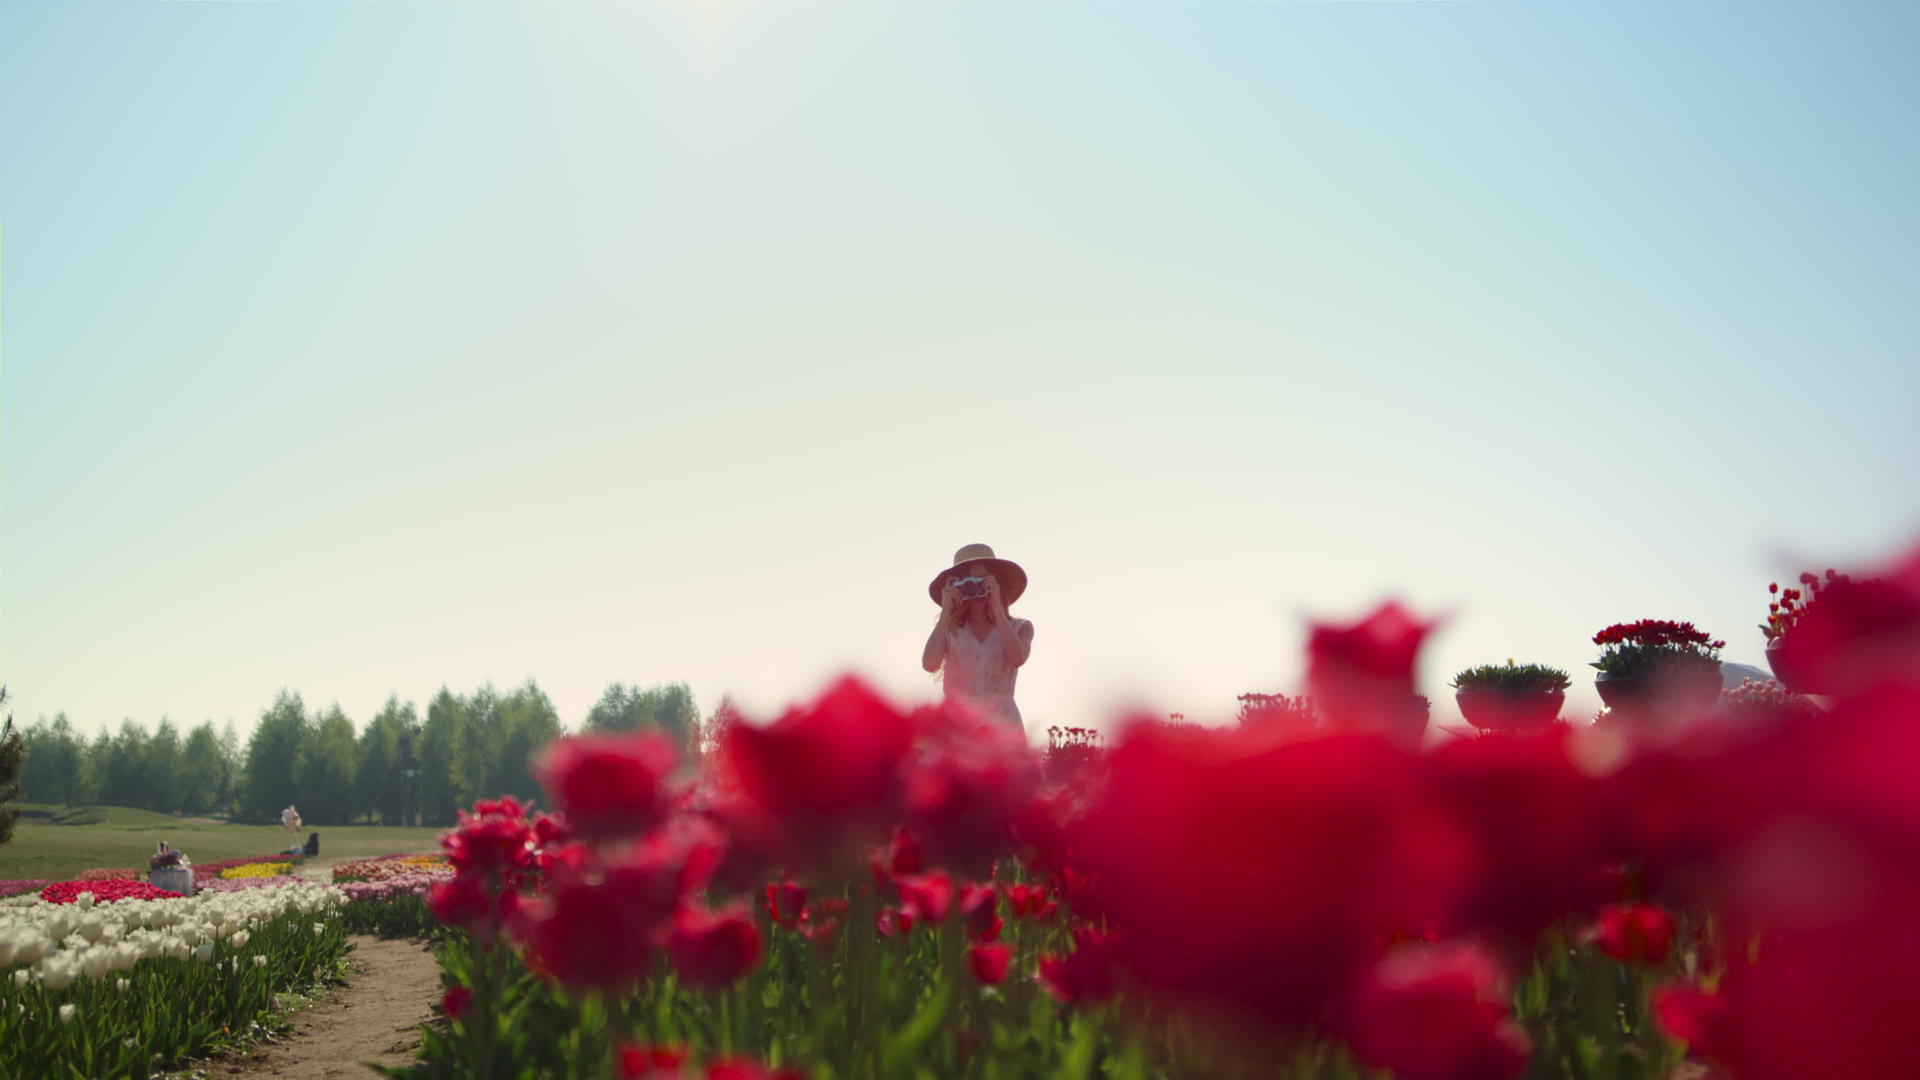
108, 874
250, 882
386, 867
24, 885
255, 870
1704, 896
387, 895
103, 891
204, 872
119, 989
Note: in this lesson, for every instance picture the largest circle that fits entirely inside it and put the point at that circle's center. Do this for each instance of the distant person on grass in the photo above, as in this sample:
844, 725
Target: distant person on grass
976, 647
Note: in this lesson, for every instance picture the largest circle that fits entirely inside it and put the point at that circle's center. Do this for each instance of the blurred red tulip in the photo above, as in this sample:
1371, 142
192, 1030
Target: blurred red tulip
825, 770
467, 903
1302, 856
966, 786
489, 844
1436, 1012
608, 786
1085, 975
926, 897
455, 1001
639, 1062
1361, 677
989, 962
714, 950
1542, 850
1697, 1018
595, 929
1634, 933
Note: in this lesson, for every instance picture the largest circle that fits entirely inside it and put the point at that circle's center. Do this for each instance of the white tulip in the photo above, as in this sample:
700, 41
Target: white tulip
203, 952
239, 940
66, 1014
55, 975
121, 985
95, 963
259, 961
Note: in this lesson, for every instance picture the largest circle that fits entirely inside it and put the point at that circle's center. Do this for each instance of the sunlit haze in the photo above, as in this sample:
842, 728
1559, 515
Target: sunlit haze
365, 348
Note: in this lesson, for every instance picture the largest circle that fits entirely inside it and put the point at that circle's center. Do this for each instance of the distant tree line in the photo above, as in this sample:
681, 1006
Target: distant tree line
399, 768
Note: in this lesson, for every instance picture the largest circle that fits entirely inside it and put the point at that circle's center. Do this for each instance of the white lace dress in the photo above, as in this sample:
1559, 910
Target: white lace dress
977, 671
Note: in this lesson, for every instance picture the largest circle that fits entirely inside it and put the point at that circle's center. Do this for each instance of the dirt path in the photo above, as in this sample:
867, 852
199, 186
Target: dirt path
391, 989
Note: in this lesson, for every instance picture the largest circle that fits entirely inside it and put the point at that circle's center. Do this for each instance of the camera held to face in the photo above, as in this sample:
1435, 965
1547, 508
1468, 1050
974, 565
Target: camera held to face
970, 588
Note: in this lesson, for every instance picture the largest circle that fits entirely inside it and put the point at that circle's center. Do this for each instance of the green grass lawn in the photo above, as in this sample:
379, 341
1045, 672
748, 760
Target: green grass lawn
117, 836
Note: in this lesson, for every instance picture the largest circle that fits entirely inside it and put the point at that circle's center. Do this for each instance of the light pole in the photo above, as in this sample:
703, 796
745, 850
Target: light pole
409, 778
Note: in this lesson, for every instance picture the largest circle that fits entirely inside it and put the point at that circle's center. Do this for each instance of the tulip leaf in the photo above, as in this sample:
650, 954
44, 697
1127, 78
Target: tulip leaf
902, 1047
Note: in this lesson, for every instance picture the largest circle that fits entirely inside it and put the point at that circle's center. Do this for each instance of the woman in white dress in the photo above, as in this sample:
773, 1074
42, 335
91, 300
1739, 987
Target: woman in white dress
976, 647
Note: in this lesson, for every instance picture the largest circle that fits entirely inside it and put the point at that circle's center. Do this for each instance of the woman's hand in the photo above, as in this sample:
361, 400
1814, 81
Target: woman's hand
950, 600
994, 605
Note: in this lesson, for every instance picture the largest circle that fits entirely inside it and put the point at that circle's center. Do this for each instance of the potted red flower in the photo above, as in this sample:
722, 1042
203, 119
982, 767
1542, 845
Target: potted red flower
1657, 662
1510, 696
1785, 611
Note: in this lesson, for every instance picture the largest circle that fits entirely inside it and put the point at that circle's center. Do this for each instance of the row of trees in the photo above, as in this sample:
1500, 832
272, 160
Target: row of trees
399, 767
159, 771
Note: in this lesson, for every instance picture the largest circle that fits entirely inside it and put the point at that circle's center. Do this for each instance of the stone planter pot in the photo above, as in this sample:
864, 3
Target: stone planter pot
173, 879
1684, 690
1790, 667
1510, 710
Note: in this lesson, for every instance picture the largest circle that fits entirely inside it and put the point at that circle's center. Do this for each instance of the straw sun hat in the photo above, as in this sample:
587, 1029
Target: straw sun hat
1013, 580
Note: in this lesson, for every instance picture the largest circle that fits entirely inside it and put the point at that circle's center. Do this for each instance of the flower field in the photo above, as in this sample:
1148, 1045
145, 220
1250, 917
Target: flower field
387, 895
1707, 888
1717, 889
97, 987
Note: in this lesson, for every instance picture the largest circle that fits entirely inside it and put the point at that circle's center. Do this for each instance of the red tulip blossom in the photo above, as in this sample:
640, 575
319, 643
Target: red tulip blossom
504, 806
1084, 976
489, 845
989, 962
786, 903
1301, 856
901, 854
1697, 1018
742, 1069
595, 929
1435, 1013
641, 1062
1361, 676
926, 897
1538, 826
888, 922
965, 787
829, 771
469, 903
455, 1001
609, 786
1029, 901
980, 908
1634, 933
714, 950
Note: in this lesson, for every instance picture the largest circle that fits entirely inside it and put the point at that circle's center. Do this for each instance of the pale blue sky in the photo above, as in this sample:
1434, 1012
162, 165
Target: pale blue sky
366, 347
